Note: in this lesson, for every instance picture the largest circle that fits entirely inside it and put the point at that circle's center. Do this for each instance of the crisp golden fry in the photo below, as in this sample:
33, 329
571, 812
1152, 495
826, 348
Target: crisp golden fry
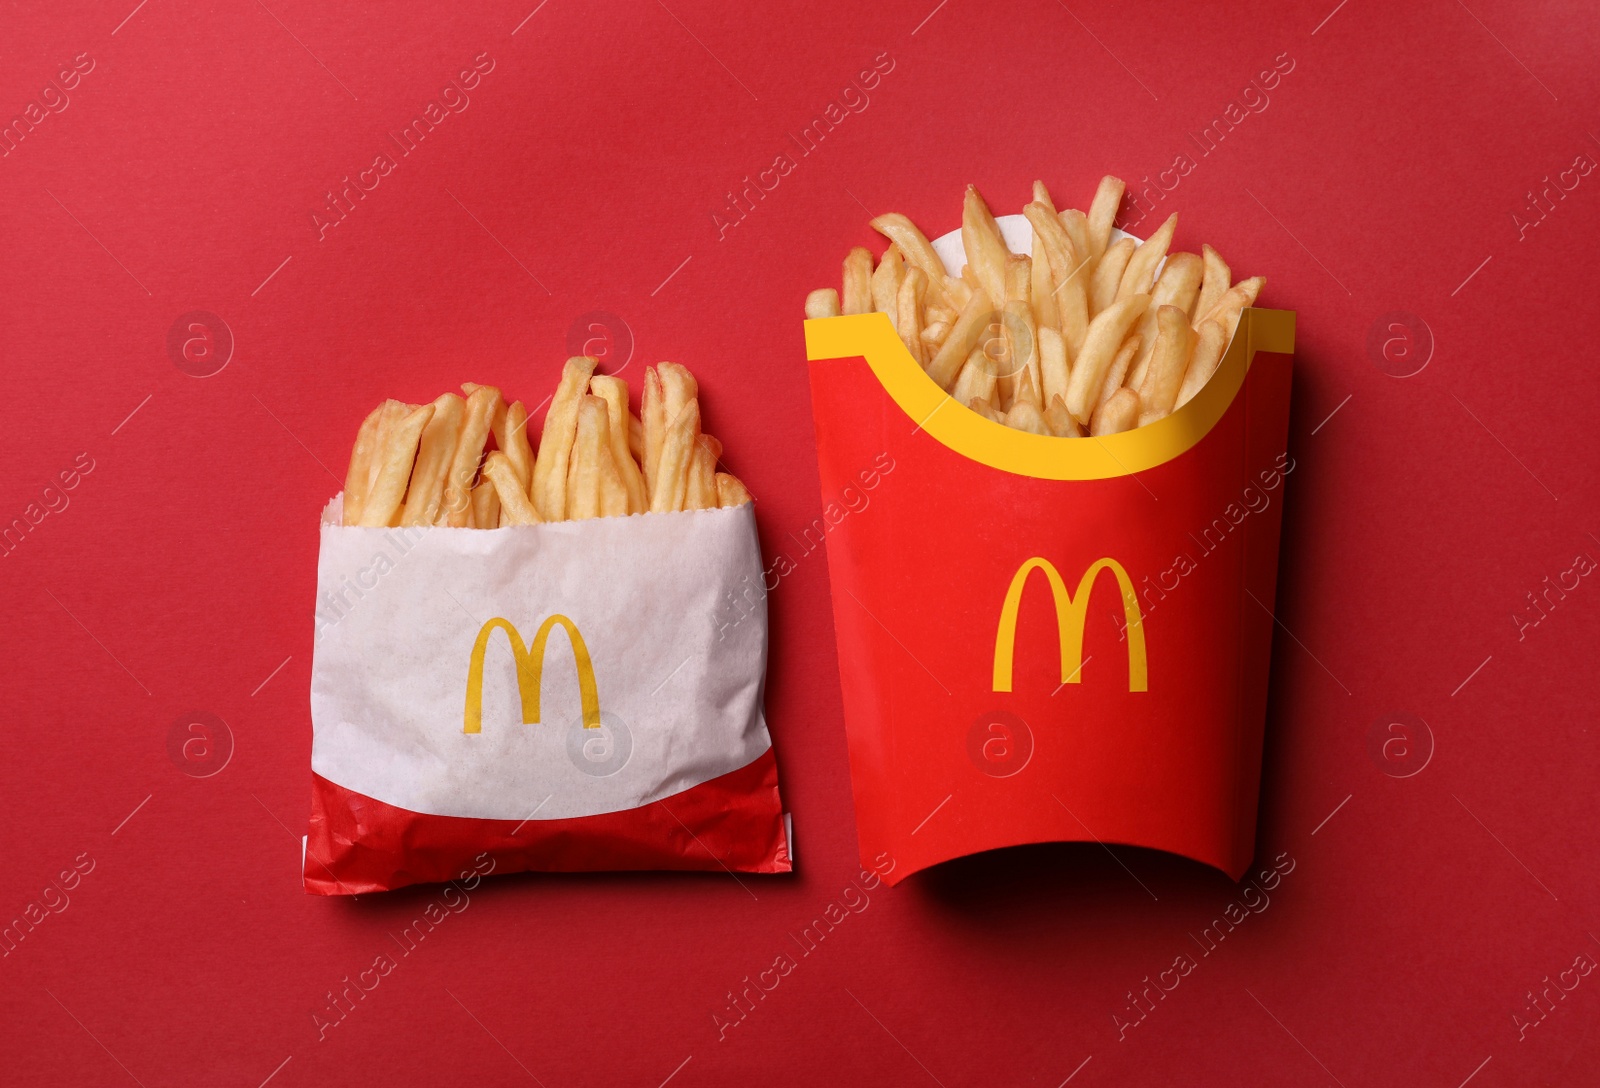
1103, 213
1060, 421
652, 430
700, 490
1022, 354
987, 410
1120, 413
393, 413
515, 506
549, 488
1140, 276
359, 477
482, 403
1076, 224
485, 505
977, 380
985, 248
1159, 391
1053, 371
636, 440
1042, 291
823, 302
677, 451
1106, 334
1203, 362
934, 334
731, 490
511, 435
1217, 278
394, 461
677, 386
1178, 285
1023, 416
969, 331
1051, 243
1233, 301
1108, 276
1117, 372
424, 500
1041, 195
856, 297
614, 391
590, 449
886, 283
912, 243
913, 289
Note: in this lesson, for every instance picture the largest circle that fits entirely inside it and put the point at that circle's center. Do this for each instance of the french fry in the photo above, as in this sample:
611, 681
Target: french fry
393, 462
823, 302
482, 402
636, 440
1103, 213
485, 505
977, 380
1042, 292
1117, 372
1076, 224
1023, 416
966, 334
1060, 421
934, 335
700, 489
1120, 413
1053, 371
1054, 245
731, 490
590, 449
1208, 346
1233, 302
1041, 195
913, 289
1140, 275
358, 478
856, 297
1105, 336
1108, 276
550, 468
652, 430
1159, 390
515, 506
511, 435
1217, 278
393, 412
987, 410
1177, 286
424, 499
886, 283
614, 391
986, 250
911, 242
677, 451
1019, 334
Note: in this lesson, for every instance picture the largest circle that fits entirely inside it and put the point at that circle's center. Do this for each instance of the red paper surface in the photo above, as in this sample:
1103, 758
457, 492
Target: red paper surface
1387, 172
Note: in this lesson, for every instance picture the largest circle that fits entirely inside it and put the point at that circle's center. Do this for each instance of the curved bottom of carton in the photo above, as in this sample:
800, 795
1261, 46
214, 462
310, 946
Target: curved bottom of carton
909, 863
734, 822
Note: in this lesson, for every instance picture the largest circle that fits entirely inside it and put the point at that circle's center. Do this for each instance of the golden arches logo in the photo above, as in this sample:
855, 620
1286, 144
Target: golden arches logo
1071, 614
530, 669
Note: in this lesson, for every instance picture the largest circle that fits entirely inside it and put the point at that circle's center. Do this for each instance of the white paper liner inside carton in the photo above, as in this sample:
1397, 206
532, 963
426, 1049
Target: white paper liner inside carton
669, 606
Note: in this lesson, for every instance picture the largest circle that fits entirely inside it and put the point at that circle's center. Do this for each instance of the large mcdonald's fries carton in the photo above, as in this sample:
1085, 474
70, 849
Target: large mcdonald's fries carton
572, 695
1052, 639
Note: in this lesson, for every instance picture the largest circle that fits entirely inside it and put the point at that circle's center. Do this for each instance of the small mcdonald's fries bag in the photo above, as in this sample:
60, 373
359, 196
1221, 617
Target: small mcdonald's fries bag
1051, 639
574, 695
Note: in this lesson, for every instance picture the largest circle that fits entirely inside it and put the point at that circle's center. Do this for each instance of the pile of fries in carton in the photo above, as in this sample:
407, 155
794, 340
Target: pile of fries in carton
1086, 336
425, 464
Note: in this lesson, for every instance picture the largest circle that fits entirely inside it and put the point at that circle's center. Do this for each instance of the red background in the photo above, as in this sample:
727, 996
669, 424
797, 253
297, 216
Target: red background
1385, 170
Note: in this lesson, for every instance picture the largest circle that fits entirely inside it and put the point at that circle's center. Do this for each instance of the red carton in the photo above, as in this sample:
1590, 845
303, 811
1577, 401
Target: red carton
1051, 639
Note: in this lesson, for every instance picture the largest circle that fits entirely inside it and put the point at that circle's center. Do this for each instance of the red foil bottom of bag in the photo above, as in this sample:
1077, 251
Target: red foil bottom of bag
735, 822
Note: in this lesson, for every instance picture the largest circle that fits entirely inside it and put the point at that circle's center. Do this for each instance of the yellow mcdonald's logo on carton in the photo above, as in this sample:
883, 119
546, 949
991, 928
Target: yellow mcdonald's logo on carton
530, 668
1071, 614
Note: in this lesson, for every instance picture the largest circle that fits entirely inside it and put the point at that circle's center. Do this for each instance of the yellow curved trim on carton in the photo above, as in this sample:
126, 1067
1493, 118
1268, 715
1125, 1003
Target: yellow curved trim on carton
958, 427
1072, 612
530, 668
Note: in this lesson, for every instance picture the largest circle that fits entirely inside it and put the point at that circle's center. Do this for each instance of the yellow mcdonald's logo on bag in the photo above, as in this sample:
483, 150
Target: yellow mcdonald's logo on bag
1071, 614
530, 668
